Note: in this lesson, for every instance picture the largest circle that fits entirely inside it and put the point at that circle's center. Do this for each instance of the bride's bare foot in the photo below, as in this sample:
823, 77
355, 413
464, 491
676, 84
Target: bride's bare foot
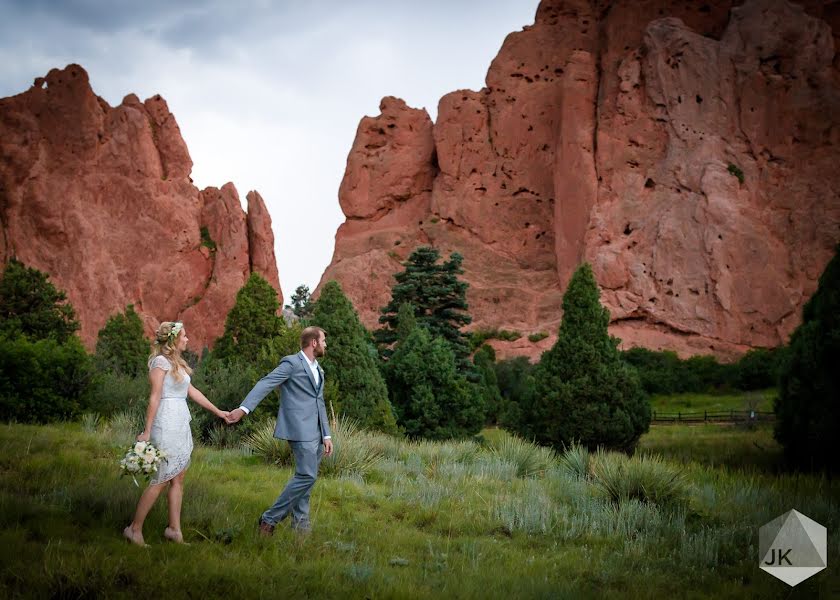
135, 537
174, 536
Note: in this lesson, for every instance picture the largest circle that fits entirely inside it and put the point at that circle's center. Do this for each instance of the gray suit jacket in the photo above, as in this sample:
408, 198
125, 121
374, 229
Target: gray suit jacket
303, 415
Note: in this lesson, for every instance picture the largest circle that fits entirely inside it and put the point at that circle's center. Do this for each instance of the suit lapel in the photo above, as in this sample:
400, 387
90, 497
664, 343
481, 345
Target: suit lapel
308, 371
321, 379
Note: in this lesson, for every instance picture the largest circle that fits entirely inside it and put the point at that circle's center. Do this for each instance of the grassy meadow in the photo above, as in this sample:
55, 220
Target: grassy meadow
399, 519
689, 402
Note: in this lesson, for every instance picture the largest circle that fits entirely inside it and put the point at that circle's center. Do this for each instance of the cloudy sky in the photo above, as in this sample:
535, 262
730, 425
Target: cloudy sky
268, 95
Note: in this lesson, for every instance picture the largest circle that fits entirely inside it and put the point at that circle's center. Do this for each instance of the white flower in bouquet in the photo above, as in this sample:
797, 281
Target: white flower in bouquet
143, 458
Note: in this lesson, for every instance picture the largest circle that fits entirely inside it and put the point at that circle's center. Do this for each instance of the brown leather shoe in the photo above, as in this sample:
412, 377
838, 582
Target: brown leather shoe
266, 529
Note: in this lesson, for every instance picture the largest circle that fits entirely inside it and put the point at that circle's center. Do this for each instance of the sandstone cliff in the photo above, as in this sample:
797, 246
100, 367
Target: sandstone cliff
686, 150
101, 199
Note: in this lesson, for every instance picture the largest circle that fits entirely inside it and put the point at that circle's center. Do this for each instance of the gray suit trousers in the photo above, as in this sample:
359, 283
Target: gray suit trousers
294, 498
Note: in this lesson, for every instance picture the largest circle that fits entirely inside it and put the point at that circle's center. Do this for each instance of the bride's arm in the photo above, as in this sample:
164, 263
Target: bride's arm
203, 402
156, 376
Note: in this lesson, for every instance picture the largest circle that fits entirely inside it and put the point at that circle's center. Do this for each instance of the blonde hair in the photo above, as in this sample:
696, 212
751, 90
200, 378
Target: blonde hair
166, 344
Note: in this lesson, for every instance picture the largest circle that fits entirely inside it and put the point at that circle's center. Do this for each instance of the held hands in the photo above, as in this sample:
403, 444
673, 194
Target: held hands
223, 414
234, 416
328, 447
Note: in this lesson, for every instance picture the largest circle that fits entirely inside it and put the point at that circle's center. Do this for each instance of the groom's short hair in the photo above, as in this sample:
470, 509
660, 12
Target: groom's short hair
309, 334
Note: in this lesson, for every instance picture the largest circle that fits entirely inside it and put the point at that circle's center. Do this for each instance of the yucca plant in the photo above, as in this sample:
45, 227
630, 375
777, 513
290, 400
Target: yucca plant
220, 436
90, 421
262, 443
644, 478
354, 450
575, 461
530, 459
125, 425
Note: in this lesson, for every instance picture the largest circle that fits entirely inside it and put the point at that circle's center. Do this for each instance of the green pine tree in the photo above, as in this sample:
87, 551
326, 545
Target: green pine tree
32, 306
438, 298
45, 372
584, 391
406, 321
349, 362
302, 302
808, 405
430, 397
515, 378
121, 346
251, 322
485, 364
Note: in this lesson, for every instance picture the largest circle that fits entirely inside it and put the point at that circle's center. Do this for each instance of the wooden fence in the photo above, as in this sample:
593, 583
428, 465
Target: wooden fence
708, 416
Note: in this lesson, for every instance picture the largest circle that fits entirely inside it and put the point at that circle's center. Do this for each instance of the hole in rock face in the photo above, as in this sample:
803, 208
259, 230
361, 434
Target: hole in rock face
649, 183
698, 98
627, 229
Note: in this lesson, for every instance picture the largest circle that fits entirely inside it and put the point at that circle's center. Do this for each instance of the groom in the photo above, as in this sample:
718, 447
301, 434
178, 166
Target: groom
302, 420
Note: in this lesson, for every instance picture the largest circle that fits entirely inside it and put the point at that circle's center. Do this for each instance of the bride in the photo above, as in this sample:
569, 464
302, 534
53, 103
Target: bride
168, 428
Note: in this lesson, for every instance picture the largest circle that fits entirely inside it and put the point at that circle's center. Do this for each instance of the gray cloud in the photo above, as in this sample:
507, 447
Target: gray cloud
267, 94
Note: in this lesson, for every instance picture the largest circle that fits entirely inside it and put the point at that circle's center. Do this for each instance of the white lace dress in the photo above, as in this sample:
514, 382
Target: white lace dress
171, 427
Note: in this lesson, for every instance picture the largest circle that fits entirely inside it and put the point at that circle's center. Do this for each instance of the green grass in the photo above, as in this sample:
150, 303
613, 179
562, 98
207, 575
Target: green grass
427, 520
761, 400
715, 444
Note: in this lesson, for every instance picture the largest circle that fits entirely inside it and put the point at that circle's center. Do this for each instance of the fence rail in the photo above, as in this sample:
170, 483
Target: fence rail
718, 416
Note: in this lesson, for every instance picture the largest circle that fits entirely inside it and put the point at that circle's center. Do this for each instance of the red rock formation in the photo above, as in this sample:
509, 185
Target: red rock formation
100, 199
613, 132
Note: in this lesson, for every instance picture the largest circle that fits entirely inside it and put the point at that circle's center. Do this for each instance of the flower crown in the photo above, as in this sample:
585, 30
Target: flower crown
176, 329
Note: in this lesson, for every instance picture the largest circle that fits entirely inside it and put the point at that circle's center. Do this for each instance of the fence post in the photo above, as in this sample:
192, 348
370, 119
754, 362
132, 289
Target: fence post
705, 416
679, 416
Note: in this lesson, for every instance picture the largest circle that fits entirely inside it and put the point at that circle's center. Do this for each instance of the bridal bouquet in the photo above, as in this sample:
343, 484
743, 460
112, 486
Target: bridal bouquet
141, 459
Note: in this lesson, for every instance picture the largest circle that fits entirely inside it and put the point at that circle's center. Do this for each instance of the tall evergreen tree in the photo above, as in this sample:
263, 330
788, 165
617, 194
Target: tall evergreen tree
32, 306
121, 346
406, 321
45, 372
302, 301
584, 391
251, 322
485, 363
515, 378
431, 398
808, 405
438, 298
361, 389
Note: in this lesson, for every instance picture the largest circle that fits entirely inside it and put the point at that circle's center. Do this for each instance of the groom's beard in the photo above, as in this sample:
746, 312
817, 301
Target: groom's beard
319, 351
